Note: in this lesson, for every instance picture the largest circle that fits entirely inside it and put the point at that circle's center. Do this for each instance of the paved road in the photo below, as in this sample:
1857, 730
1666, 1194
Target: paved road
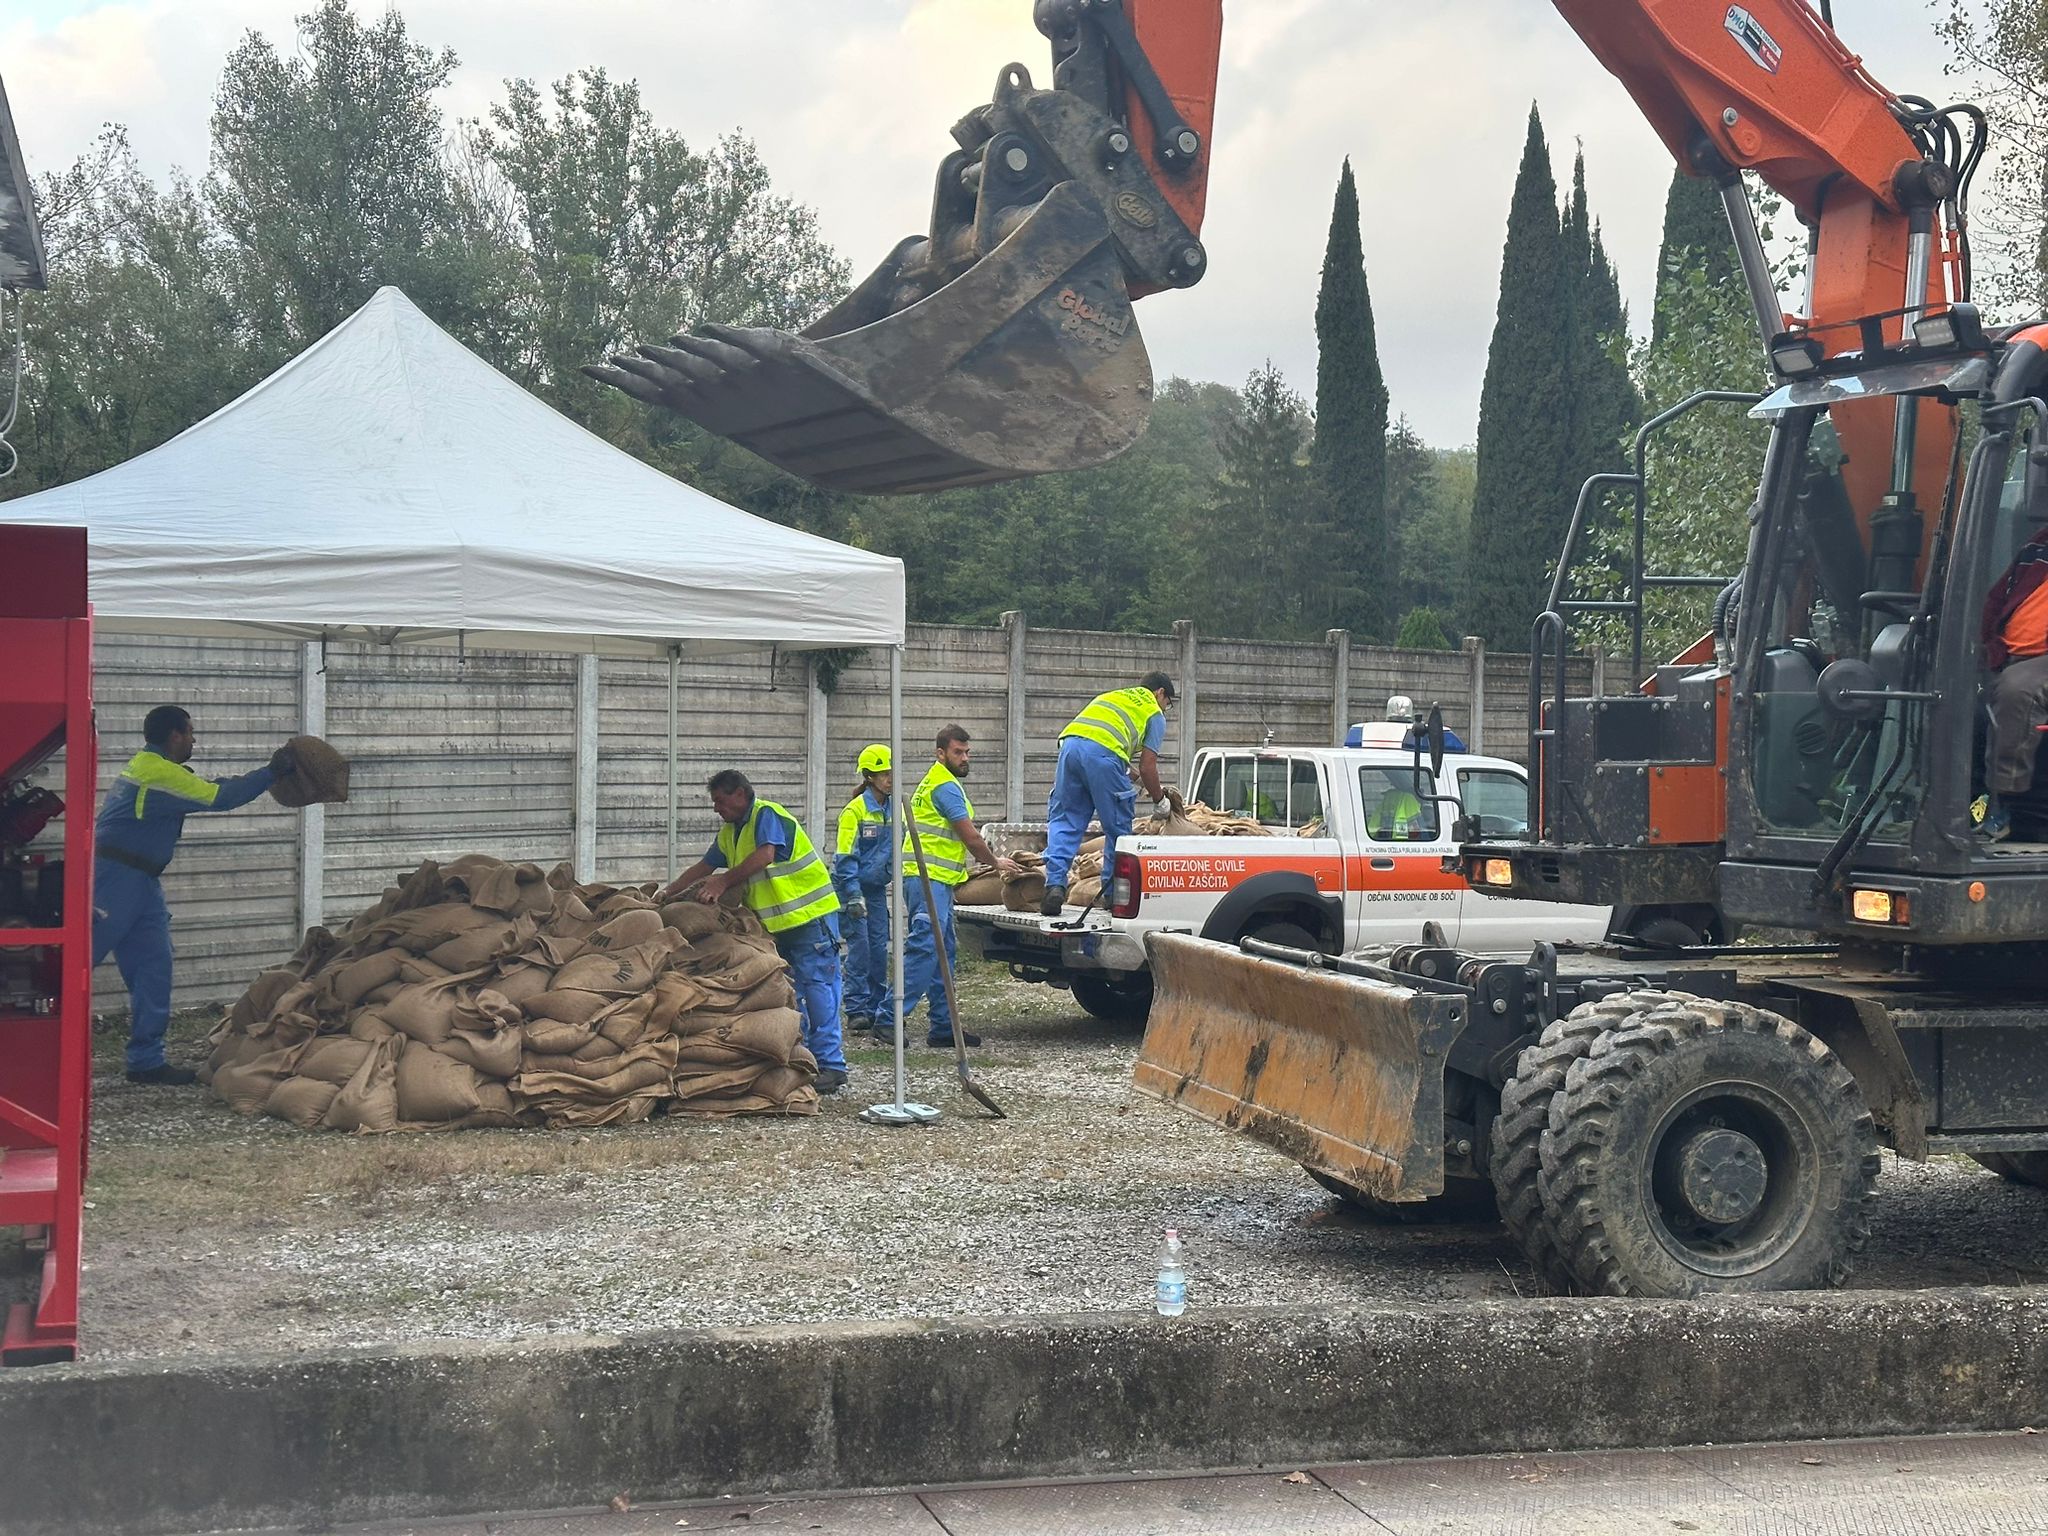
1964, 1485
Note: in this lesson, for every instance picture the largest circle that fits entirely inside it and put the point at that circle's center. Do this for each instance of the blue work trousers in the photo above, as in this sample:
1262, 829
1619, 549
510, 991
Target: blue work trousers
921, 979
868, 993
812, 951
1090, 782
131, 922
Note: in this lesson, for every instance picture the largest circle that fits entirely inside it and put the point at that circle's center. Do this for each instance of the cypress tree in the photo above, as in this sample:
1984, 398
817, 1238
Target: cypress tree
1349, 454
1599, 397
1695, 235
1522, 432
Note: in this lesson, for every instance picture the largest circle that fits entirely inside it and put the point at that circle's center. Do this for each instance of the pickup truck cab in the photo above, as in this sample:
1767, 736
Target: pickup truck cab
1361, 834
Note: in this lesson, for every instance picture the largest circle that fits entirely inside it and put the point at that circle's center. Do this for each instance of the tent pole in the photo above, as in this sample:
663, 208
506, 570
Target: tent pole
900, 1112
675, 661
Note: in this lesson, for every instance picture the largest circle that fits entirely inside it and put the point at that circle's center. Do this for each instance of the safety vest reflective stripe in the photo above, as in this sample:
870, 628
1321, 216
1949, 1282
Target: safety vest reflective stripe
945, 855
1116, 720
787, 894
152, 770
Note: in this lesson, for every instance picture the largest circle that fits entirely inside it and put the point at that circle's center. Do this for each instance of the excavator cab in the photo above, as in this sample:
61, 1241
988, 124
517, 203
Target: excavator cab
1001, 342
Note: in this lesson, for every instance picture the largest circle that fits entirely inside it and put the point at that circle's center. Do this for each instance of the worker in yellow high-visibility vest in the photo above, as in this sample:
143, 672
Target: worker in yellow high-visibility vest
951, 844
761, 849
1121, 731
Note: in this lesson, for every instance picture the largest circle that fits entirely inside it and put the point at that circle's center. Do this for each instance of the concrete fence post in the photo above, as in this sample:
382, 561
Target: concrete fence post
1340, 695
1185, 698
1599, 671
817, 746
313, 819
1475, 661
1015, 715
583, 856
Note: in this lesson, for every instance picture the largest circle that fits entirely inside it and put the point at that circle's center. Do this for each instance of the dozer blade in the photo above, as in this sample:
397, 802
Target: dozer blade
1028, 362
1342, 1073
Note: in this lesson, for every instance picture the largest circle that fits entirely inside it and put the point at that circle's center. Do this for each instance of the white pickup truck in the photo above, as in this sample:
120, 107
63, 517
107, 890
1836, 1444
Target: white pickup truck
1369, 871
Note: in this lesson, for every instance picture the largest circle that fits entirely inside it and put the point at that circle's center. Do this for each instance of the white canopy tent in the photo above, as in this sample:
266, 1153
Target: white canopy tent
387, 484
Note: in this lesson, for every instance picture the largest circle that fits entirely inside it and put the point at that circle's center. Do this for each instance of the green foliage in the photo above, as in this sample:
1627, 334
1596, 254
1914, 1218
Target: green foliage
1523, 433
1696, 238
1429, 516
1422, 630
1261, 549
2002, 50
1599, 399
1350, 449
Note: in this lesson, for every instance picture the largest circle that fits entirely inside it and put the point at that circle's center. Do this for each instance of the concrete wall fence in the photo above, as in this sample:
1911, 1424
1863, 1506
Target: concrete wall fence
565, 757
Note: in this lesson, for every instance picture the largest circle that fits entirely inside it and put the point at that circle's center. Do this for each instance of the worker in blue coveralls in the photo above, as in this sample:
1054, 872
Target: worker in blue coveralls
137, 833
861, 873
1120, 731
761, 849
950, 844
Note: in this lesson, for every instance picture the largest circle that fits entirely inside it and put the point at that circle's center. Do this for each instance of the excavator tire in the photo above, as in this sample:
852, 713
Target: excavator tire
1462, 1200
1706, 1146
2017, 1167
1517, 1158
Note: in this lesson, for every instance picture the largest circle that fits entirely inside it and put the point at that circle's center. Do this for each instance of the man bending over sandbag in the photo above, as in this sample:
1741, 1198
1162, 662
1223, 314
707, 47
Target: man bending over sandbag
1120, 733
137, 833
762, 850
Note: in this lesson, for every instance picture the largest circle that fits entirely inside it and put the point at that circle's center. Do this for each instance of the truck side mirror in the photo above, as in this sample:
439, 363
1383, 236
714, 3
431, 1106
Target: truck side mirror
1436, 740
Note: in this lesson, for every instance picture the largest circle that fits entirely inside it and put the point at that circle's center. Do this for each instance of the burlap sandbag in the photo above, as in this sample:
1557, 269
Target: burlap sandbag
1092, 849
694, 920
980, 890
369, 1100
674, 995
627, 929
643, 1069
377, 997
700, 1053
247, 1085
494, 885
369, 1025
699, 1085
1087, 866
304, 1101
484, 944
333, 1059
778, 991
727, 963
625, 1026
434, 1087
550, 1037
536, 1064
494, 1053
781, 1083
621, 972
1023, 892
232, 1049
1083, 893
496, 1110
358, 977
425, 1010
422, 929
319, 775
558, 1113
771, 1034
567, 1005
262, 996
519, 981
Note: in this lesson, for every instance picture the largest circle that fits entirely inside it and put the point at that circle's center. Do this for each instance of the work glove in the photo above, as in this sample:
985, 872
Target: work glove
858, 909
282, 762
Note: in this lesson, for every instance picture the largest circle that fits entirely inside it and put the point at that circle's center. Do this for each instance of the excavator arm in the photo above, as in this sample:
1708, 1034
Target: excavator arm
1000, 342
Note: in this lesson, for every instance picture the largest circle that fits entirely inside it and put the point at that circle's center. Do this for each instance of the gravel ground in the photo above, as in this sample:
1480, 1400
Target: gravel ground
207, 1231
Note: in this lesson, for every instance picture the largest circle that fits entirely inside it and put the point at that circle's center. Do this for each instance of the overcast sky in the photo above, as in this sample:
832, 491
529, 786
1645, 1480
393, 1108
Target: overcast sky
850, 101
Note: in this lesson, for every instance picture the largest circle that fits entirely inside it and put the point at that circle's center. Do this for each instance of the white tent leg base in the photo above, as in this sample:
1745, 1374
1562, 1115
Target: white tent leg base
900, 1114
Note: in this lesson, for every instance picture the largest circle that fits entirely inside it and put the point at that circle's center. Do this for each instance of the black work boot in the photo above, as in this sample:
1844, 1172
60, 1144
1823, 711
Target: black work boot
1053, 902
165, 1076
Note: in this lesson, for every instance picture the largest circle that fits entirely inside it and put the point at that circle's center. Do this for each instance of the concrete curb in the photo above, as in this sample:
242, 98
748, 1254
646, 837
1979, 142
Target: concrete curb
552, 1423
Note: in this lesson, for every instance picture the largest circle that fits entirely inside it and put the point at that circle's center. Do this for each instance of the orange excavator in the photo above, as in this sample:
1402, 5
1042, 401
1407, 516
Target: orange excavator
1700, 1117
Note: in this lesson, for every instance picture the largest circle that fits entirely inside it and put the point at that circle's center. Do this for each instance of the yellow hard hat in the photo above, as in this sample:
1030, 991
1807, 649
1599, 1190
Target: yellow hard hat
874, 759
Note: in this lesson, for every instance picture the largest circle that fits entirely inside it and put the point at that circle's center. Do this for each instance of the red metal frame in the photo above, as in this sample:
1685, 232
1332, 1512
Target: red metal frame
46, 1059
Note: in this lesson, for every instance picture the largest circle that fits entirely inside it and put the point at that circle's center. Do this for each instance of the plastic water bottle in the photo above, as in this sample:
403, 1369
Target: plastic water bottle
1171, 1294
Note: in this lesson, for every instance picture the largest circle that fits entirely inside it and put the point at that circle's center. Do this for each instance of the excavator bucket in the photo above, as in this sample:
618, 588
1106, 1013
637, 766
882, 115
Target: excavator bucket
1027, 362
1334, 1068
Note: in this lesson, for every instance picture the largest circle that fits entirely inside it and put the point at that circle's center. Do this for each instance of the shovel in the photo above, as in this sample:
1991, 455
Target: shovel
931, 907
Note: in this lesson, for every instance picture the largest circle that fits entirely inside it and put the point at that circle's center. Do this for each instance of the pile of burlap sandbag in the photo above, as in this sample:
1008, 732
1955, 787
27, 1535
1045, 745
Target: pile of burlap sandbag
1197, 820
480, 993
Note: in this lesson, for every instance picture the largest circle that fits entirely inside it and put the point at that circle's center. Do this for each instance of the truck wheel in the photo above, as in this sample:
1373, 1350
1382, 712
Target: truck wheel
1708, 1146
2017, 1167
1120, 1002
1462, 1200
1517, 1158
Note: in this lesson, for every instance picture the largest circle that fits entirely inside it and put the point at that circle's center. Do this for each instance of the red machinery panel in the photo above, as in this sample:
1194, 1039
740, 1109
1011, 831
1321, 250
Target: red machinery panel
45, 924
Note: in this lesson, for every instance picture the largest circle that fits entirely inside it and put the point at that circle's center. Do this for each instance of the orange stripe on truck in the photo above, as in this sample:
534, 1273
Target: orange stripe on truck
1168, 874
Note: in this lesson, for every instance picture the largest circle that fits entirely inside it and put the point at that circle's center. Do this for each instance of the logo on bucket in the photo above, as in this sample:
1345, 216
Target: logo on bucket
1080, 309
1133, 209
1762, 48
